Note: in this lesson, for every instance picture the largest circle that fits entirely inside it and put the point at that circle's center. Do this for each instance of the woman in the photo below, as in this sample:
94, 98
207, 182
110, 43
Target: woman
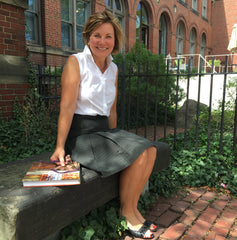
87, 122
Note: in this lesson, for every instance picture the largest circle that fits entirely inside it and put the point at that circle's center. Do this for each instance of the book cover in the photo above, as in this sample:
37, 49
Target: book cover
42, 174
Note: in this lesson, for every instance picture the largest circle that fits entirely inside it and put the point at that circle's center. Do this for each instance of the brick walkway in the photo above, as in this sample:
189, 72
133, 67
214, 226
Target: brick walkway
194, 214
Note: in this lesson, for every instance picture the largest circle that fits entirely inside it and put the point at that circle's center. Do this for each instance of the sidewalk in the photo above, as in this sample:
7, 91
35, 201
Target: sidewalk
194, 214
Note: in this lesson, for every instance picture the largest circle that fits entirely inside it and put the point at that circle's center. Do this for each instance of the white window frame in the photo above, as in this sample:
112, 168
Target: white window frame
119, 13
179, 38
72, 23
36, 16
143, 26
164, 33
203, 44
194, 4
204, 8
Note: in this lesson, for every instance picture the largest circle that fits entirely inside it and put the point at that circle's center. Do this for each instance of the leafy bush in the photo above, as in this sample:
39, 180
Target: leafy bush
100, 224
146, 86
32, 131
194, 168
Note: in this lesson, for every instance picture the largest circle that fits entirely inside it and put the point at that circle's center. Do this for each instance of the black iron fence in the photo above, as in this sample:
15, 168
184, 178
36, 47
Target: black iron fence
158, 101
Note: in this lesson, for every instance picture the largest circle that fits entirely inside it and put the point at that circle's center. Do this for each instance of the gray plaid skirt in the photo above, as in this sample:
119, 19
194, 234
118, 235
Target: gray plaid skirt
107, 151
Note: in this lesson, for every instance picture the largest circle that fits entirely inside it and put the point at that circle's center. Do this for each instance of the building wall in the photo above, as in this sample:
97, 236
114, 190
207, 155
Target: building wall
12, 29
223, 18
50, 52
13, 70
217, 26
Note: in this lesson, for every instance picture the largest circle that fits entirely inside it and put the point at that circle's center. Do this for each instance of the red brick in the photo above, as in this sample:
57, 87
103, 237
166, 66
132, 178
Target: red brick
22, 91
174, 231
180, 206
160, 208
9, 8
189, 238
209, 196
8, 97
4, 12
220, 231
219, 204
224, 197
200, 205
233, 204
229, 215
199, 229
221, 223
209, 215
6, 91
167, 218
234, 230
215, 236
4, 24
189, 216
192, 197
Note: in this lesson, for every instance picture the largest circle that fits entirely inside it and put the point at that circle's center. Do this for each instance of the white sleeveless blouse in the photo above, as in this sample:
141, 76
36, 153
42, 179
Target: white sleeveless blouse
97, 90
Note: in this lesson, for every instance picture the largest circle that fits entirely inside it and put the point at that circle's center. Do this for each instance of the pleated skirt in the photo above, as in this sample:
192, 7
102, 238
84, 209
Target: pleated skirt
106, 151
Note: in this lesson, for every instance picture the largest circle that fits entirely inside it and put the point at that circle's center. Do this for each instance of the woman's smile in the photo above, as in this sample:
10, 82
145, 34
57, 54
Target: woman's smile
102, 42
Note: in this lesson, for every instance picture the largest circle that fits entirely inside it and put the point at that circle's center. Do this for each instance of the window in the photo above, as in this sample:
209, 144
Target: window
194, 4
74, 14
142, 28
203, 44
163, 33
32, 22
204, 8
192, 45
202, 49
179, 38
116, 7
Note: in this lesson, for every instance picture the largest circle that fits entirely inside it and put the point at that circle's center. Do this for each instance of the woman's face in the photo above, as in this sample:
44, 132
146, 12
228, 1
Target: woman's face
102, 41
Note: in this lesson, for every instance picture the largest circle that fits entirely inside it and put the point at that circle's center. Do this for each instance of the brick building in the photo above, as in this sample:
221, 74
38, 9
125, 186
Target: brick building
48, 31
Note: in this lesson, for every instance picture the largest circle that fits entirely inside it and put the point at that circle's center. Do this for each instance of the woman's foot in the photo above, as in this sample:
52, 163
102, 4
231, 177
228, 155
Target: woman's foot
143, 232
153, 227
136, 227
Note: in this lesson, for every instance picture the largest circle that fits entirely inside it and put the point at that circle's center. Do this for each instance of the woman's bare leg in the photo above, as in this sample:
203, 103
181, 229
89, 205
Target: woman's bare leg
132, 182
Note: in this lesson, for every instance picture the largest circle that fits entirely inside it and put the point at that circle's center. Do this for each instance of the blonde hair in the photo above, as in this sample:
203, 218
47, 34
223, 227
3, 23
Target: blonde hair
96, 20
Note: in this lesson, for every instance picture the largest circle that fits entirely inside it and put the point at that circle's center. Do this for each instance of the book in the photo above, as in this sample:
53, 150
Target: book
43, 174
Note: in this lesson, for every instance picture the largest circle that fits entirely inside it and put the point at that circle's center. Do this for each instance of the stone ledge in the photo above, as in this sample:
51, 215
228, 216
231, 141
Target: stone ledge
18, 3
13, 69
36, 213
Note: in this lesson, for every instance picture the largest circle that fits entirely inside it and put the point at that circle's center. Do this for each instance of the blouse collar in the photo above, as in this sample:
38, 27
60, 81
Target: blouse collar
87, 52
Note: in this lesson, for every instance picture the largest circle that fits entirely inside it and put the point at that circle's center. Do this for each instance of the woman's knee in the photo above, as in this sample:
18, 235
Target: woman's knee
152, 151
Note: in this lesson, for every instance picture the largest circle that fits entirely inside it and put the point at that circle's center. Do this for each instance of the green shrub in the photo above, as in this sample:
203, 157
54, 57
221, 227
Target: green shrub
100, 224
145, 73
31, 131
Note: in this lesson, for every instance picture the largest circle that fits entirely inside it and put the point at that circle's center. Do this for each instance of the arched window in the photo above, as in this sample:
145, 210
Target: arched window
142, 28
203, 44
179, 38
116, 7
163, 33
192, 45
202, 49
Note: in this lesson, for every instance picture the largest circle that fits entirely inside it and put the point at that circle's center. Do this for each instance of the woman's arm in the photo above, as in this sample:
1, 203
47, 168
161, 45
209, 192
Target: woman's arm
70, 83
113, 110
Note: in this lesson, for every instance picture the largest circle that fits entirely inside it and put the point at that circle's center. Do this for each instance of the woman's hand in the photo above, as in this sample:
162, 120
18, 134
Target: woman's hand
59, 157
